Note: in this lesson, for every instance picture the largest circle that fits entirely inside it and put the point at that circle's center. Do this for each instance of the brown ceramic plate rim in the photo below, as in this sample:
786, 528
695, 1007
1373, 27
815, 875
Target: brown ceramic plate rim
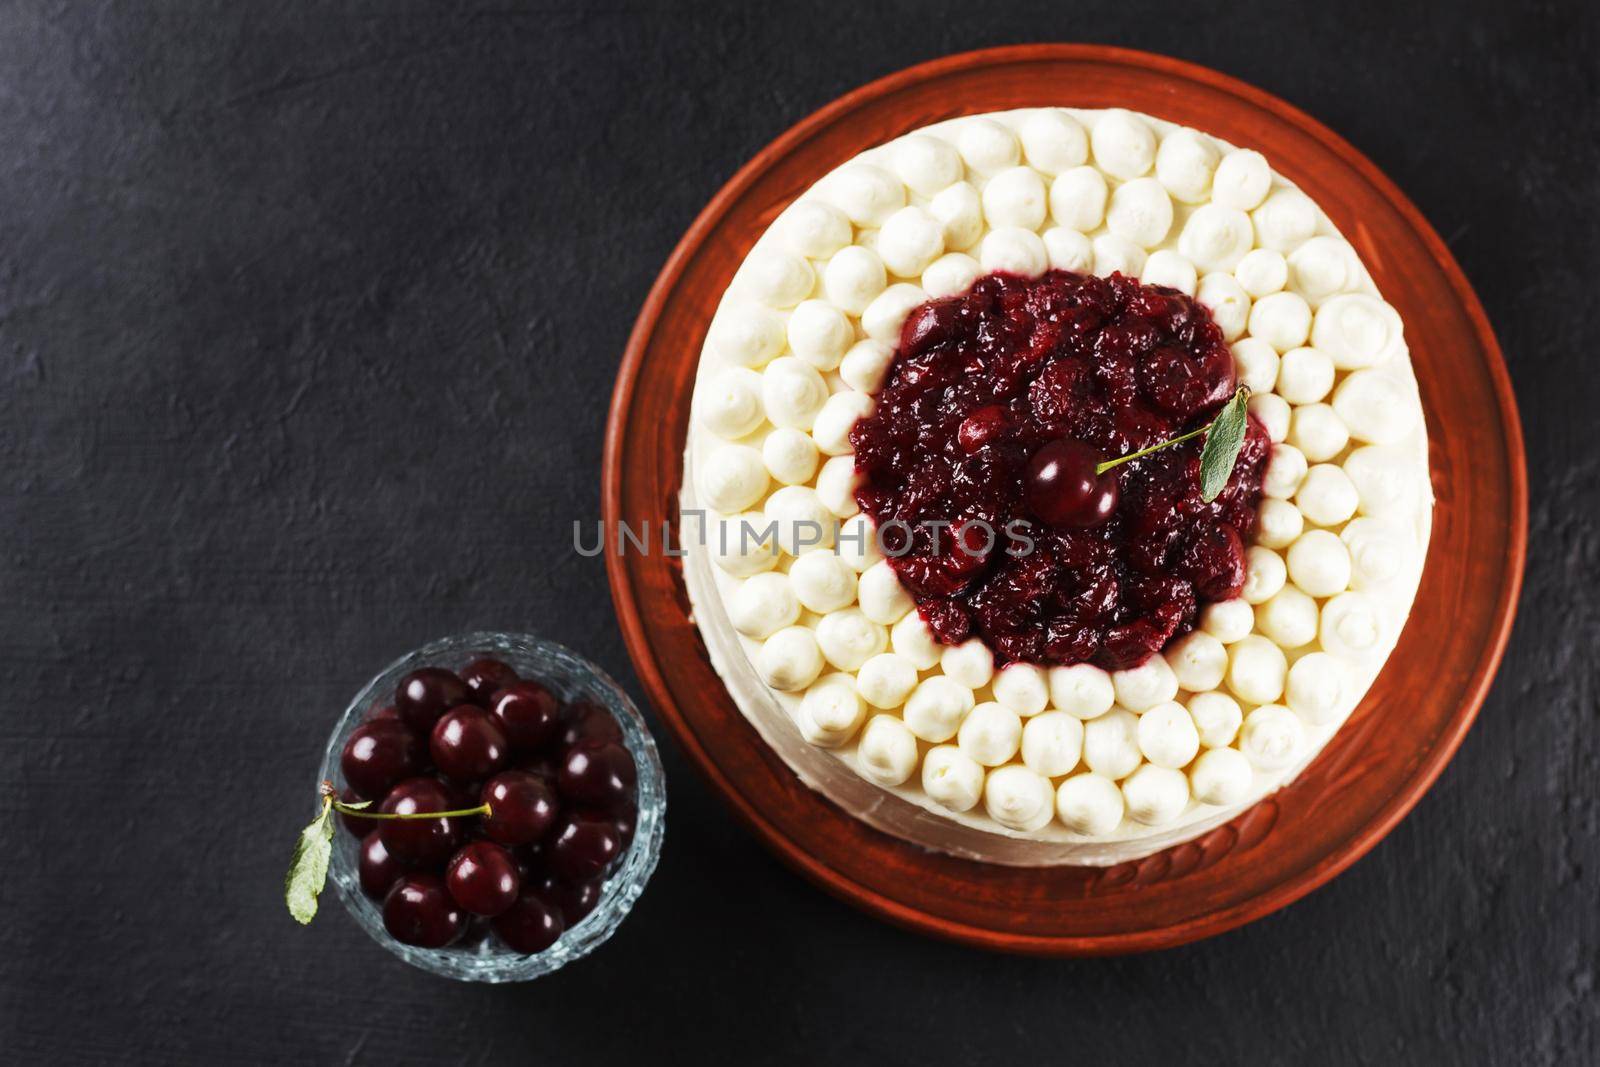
1342, 853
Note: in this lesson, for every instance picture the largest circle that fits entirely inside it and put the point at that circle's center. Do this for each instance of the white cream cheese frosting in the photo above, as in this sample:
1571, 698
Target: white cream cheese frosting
822, 648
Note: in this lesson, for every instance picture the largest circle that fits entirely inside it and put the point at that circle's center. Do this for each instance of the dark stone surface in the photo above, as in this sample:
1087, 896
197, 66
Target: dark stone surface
308, 322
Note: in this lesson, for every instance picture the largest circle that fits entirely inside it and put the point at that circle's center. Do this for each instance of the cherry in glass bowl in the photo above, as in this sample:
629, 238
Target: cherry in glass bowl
571, 678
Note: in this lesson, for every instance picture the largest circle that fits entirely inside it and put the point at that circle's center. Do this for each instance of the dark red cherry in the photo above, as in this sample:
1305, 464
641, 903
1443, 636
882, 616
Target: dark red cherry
357, 826
522, 808
420, 911
1130, 644
625, 817
382, 711
380, 753
1182, 385
573, 899
930, 324
529, 715
419, 842
427, 693
587, 721
981, 427
485, 677
1063, 488
597, 772
483, 879
378, 870
582, 848
467, 744
530, 925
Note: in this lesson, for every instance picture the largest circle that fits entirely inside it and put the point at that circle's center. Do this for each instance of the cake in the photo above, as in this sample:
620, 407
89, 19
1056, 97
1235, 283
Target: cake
923, 345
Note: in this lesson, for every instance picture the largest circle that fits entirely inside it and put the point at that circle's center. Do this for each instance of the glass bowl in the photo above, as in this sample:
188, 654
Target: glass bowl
570, 677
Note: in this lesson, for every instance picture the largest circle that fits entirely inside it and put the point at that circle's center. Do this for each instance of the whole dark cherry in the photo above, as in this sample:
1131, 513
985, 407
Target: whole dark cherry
419, 842
587, 721
597, 772
582, 848
357, 826
377, 870
624, 816
529, 715
380, 753
482, 877
420, 911
486, 676
1181, 384
530, 925
573, 899
1063, 488
467, 744
427, 693
930, 324
522, 808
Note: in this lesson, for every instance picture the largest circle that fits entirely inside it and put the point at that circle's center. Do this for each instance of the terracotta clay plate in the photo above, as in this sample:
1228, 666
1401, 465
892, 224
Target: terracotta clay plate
1375, 768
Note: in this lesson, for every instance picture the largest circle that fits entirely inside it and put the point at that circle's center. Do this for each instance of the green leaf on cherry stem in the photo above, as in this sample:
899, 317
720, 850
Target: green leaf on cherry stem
308, 871
1224, 438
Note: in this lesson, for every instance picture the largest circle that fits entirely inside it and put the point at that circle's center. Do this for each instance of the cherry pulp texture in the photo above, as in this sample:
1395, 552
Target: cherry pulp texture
983, 390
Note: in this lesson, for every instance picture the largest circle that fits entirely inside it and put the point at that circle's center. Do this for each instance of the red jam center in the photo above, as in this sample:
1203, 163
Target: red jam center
983, 381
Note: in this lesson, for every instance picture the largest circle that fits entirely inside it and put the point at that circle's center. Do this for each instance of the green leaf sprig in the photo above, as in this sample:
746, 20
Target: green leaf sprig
308, 870
1224, 438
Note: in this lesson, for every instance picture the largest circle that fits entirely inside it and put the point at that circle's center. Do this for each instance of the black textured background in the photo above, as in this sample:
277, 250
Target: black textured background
308, 321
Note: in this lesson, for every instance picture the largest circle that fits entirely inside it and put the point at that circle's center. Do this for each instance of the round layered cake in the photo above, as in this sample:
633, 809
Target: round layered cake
958, 536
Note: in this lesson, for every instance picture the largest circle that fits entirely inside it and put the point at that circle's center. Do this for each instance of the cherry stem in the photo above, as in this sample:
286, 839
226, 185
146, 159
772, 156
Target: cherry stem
1101, 468
361, 813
